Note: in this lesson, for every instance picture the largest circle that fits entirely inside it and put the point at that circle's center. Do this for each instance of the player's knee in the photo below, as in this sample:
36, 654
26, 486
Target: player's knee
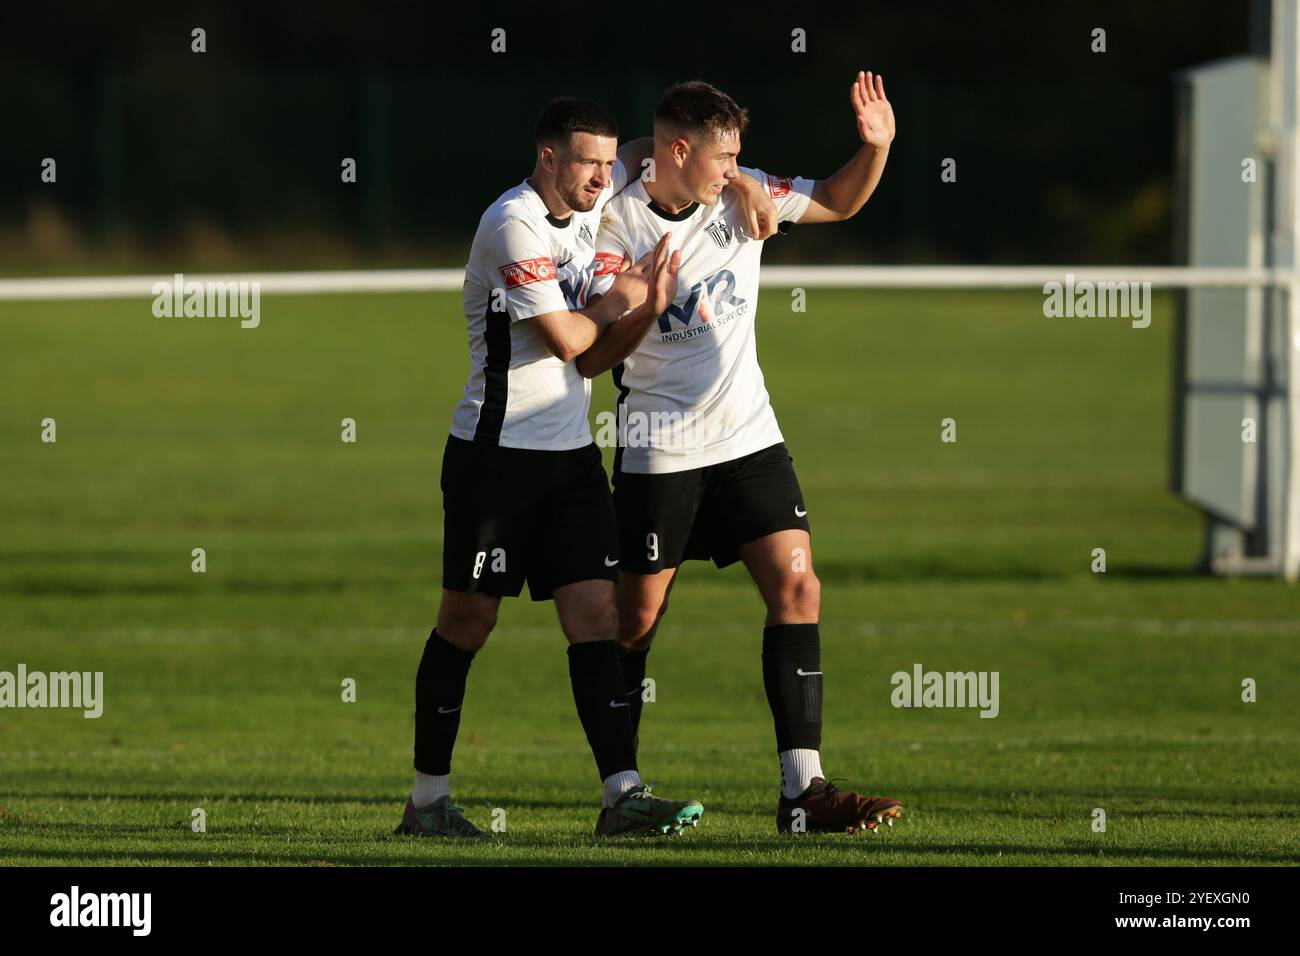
596, 623
468, 628
799, 597
606, 622
637, 625
632, 643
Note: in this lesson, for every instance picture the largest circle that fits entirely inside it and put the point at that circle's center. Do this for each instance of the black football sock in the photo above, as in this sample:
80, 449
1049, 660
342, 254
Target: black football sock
603, 705
633, 675
439, 692
792, 677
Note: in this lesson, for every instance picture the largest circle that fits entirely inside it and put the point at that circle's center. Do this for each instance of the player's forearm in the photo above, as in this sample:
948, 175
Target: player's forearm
849, 189
605, 309
568, 334
590, 322
616, 343
747, 185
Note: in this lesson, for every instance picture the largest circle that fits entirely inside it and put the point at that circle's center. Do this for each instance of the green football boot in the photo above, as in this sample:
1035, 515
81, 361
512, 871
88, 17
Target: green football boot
640, 813
438, 819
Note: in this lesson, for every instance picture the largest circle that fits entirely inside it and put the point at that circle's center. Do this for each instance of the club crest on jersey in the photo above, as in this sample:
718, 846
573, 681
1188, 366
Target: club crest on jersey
720, 231
585, 235
520, 273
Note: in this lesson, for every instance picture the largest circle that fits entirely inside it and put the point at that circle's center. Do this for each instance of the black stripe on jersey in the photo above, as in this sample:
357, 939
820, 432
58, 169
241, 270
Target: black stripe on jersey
496, 378
623, 391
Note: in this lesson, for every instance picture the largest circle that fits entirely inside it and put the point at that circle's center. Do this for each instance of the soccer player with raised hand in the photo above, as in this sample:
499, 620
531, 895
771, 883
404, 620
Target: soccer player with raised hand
710, 477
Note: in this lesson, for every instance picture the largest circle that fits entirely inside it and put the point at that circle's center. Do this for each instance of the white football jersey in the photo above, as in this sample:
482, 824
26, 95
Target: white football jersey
524, 262
692, 393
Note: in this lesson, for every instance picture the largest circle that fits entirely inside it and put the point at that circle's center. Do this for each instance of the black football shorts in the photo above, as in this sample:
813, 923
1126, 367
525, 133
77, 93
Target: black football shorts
706, 513
514, 514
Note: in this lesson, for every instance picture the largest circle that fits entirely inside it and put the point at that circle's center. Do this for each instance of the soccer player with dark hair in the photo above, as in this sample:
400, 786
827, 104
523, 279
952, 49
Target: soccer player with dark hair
715, 481
525, 496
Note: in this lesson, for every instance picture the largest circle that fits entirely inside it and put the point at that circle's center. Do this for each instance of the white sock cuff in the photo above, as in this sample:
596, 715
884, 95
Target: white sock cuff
617, 784
798, 767
429, 787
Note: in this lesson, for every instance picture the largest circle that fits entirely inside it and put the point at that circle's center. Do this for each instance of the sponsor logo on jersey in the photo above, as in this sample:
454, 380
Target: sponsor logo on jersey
717, 291
576, 286
778, 186
607, 263
515, 274
720, 231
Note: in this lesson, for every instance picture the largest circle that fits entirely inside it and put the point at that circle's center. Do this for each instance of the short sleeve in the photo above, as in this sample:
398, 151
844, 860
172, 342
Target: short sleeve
792, 194
525, 271
611, 248
618, 178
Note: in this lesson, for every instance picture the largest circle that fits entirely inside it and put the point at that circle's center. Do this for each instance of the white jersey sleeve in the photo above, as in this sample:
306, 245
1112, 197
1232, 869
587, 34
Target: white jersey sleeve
618, 180
528, 280
791, 194
611, 248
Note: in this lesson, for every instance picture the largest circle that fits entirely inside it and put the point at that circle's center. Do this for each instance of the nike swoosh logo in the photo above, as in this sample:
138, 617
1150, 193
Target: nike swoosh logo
443, 710
617, 703
609, 563
798, 513
803, 673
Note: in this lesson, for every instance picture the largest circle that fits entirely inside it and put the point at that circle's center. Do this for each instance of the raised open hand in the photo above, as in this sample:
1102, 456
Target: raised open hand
874, 114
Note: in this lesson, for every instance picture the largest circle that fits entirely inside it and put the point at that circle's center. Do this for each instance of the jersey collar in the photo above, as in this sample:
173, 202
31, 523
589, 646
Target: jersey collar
663, 213
554, 220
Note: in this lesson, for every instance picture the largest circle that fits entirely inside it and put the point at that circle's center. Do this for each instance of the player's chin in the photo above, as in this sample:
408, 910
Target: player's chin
584, 201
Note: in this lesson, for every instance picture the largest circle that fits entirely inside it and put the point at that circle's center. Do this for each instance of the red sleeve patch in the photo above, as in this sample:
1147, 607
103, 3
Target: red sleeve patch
516, 274
778, 186
608, 263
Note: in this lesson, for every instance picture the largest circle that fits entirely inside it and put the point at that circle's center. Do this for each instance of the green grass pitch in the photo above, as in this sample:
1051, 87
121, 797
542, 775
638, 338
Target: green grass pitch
223, 690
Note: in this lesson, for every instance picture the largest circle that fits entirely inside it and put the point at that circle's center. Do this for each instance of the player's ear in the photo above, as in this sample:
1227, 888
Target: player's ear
547, 157
680, 149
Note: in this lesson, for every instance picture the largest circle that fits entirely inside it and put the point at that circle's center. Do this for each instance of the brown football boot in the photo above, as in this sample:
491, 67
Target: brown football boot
827, 810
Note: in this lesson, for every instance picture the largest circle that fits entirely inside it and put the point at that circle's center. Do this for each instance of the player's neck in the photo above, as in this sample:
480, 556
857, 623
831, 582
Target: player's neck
556, 206
667, 196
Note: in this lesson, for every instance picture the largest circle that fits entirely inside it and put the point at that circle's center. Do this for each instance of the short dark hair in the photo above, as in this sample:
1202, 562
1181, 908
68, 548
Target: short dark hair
698, 108
563, 117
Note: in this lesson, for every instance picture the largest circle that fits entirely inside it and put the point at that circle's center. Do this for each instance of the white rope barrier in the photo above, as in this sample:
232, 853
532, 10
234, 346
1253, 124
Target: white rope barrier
813, 277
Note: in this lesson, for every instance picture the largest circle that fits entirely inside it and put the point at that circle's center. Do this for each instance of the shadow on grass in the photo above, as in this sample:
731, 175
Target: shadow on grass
947, 799
394, 799
681, 851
